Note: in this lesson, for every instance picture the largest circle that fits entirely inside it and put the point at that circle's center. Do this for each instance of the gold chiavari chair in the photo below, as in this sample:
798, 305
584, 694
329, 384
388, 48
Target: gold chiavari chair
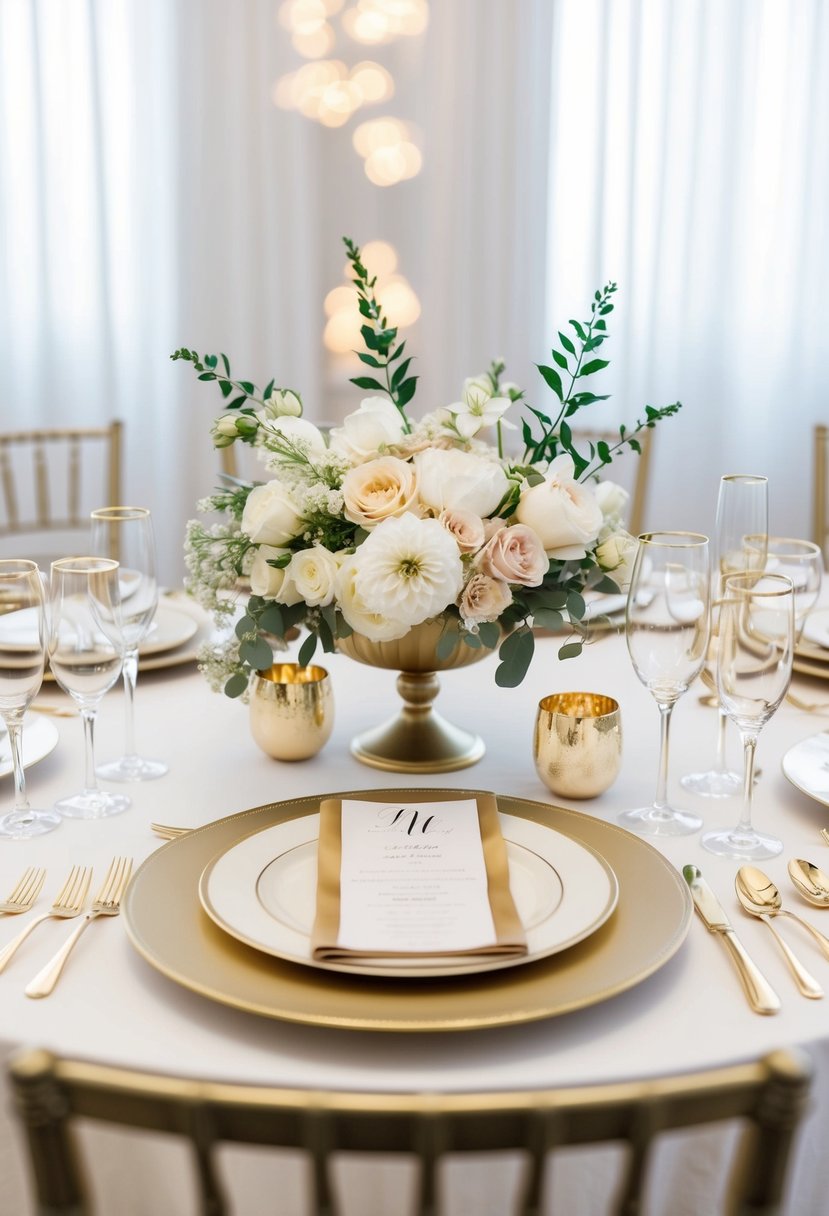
769, 1095
629, 469
50, 480
820, 488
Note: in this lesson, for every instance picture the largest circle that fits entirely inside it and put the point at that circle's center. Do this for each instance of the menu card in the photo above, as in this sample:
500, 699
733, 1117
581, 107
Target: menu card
414, 877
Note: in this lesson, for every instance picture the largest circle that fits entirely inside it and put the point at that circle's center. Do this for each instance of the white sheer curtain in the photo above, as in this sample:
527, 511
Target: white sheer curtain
690, 162
153, 197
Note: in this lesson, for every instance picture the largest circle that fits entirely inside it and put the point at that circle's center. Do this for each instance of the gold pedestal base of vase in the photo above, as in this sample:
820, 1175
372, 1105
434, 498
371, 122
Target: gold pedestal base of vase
418, 740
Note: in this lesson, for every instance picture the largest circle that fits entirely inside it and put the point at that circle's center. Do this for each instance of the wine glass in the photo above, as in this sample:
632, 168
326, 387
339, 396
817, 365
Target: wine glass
667, 629
22, 655
128, 531
754, 667
742, 516
84, 592
799, 560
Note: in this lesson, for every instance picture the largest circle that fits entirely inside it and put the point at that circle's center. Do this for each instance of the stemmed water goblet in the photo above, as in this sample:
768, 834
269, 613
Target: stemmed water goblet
799, 560
754, 667
128, 531
84, 593
740, 538
667, 624
22, 656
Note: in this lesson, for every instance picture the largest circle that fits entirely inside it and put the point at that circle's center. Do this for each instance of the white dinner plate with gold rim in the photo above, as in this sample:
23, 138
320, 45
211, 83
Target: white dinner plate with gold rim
40, 737
806, 765
816, 630
263, 892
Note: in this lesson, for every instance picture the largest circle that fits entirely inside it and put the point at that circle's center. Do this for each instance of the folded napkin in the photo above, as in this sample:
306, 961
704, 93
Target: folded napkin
415, 878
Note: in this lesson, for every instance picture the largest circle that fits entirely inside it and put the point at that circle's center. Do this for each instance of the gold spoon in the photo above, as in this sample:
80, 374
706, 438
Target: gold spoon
759, 897
765, 892
810, 881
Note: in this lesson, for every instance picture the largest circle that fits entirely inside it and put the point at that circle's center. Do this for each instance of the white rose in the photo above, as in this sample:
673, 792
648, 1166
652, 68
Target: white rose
266, 580
310, 577
467, 529
612, 500
616, 555
563, 512
376, 626
378, 489
283, 403
483, 599
454, 480
376, 424
408, 569
270, 516
299, 429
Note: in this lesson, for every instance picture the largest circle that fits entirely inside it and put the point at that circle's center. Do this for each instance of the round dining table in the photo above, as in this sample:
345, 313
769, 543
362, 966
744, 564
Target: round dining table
111, 1005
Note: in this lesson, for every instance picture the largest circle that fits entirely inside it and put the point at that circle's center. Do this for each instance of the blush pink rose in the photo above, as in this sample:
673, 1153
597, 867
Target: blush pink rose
516, 555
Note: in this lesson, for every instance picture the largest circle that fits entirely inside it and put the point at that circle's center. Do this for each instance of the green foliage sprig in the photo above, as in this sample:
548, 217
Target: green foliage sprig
380, 337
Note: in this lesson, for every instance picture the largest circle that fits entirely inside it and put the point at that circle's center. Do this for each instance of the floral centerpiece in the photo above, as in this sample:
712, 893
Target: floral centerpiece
387, 522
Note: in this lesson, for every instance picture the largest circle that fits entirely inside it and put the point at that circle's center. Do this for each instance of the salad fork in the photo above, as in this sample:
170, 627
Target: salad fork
24, 894
68, 903
106, 903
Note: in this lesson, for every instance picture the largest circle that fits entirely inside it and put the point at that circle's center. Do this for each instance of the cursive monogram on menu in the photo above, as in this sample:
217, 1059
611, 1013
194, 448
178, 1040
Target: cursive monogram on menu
410, 820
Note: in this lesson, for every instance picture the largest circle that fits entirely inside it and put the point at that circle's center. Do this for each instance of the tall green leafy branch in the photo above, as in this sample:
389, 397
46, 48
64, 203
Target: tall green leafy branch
379, 338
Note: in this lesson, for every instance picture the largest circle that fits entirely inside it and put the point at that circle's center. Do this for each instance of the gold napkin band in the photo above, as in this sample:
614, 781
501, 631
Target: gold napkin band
510, 939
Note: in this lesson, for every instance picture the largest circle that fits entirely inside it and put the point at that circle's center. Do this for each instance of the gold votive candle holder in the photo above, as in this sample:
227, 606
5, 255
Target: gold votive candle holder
291, 710
577, 746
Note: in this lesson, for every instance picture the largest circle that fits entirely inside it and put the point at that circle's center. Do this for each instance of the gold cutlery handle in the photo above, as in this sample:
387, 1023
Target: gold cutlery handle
45, 980
10, 949
806, 983
761, 996
821, 938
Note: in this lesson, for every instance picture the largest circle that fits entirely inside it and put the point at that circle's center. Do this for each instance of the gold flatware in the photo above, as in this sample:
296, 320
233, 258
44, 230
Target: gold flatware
761, 996
824, 832
68, 903
167, 831
106, 903
54, 711
810, 881
759, 897
24, 893
809, 707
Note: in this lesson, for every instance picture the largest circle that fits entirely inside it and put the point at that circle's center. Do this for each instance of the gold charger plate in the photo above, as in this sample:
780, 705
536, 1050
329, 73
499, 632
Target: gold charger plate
167, 925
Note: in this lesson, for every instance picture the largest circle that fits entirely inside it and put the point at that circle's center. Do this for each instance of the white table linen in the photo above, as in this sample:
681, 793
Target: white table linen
111, 1006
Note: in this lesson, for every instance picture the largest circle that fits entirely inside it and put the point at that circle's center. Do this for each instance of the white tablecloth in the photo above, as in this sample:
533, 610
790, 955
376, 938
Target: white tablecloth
112, 1006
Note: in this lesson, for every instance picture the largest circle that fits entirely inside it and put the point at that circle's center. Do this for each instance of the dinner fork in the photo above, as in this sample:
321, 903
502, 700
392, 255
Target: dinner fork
167, 832
106, 903
68, 903
25, 893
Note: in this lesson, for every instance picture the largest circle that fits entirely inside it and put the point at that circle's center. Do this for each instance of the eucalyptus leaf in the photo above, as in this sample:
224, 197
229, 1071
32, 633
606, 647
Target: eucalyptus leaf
307, 649
257, 654
570, 650
236, 685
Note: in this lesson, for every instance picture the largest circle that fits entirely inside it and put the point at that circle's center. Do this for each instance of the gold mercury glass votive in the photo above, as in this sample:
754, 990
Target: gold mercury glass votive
578, 743
291, 710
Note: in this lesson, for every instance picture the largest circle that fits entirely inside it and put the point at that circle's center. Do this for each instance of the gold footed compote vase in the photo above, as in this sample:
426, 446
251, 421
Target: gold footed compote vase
417, 739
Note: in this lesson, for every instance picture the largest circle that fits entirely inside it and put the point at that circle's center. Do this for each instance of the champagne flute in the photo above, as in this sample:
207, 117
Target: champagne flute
128, 531
667, 629
799, 560
84, 591
742, 516
22, 655
754, 667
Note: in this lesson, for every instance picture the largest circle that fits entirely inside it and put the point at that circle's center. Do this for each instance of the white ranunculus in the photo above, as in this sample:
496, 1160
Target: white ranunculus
266, 580
376, 626
616, 555
612, 499
377, 489
270, 516
562, 511
453, 480
310, 578
376, 425
408, 569
301, 430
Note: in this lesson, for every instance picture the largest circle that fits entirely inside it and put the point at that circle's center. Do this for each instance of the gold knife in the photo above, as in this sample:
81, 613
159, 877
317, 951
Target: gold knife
761, 996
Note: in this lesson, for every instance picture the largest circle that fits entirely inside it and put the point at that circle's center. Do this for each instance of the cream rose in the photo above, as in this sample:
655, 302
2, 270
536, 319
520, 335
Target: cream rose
310, 577
377, 489
483, 599
270, 516
266, 580
454, 480
376, 626
375, 425
563, 512
467, 529
516, 555
616, 555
